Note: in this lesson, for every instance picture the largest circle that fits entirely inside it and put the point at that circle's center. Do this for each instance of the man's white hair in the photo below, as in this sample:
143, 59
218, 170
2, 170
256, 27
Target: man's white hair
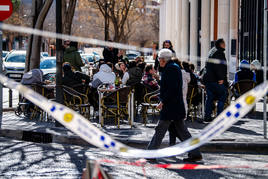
165, 54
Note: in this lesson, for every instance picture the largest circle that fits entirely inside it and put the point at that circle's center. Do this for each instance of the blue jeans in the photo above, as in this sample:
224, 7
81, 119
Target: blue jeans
218, 92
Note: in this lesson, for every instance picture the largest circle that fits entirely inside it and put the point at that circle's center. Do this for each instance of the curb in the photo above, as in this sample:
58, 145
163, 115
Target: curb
8, 109
214, 146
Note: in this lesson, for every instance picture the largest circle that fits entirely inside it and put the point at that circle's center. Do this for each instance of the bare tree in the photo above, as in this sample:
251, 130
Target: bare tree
68, 10
118, 12
40, 9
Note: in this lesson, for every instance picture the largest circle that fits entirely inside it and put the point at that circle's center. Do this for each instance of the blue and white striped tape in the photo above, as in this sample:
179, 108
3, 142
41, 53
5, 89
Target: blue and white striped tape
82, 127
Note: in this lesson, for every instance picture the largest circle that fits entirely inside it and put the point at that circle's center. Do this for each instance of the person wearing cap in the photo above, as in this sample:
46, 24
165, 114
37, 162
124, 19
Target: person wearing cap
171, 105
257, 68
244, 72
215, 79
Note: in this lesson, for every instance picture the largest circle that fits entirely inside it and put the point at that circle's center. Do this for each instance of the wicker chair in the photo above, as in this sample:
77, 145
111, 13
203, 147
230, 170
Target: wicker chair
150, 102
76, 101
243, 86
115, 104
192, 101
39, 88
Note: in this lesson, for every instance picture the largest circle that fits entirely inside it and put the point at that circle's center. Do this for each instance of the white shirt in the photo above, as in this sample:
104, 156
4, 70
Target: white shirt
186, 78
125, 78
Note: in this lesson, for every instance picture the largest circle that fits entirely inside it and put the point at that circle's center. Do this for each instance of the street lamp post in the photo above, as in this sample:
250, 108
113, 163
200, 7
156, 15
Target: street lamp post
1, 71
59, 55
265, 48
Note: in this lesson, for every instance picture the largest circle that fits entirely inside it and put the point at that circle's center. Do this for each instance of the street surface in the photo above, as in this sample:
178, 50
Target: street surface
21, 159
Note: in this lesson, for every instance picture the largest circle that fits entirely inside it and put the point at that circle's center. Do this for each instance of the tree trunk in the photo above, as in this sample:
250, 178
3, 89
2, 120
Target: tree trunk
36, 8
10, 41
37, 40
68, 14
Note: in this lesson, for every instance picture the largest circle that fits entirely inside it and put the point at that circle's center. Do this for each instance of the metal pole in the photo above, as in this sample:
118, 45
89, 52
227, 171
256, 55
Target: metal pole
59, 56
10, 93
265, 45
1, 71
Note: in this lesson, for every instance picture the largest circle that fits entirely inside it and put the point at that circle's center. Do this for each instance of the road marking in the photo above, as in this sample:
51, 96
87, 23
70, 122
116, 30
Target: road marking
4, 8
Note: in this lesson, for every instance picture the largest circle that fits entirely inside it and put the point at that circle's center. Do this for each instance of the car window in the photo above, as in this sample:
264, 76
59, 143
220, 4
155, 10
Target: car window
16, 58
4, 54
90, 59
132, 55
47, 64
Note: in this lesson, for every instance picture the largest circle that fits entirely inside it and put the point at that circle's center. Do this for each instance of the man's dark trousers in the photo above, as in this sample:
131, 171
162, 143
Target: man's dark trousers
218, 92
161, 130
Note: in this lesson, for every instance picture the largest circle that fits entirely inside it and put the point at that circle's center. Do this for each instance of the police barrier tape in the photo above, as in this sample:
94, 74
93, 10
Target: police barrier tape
180, 166
82, 127
91, 41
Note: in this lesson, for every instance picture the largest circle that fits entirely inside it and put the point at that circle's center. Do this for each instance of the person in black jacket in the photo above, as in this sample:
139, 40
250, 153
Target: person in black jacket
74, 80
215, 79
171, 105
110, 54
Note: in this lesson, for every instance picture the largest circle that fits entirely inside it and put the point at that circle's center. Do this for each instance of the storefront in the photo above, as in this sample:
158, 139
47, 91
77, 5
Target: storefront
251, 30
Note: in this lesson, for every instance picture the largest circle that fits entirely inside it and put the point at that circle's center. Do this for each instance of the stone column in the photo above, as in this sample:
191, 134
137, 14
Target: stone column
233, 61
169, 19
224, 24
194, 31
185, 30
176, 40
205, 30
162, 22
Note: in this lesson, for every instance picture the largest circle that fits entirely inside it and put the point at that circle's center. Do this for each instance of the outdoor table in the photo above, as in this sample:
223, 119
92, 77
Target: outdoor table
101, 92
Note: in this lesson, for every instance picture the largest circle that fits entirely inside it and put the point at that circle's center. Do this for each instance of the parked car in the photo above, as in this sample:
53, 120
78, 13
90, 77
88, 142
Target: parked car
48, 65
149, 60
88, 58
43, 55
4, 54
14, 64
132, 55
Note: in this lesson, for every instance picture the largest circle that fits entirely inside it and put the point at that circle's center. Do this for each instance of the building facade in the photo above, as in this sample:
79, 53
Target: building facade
251, 29
193, 26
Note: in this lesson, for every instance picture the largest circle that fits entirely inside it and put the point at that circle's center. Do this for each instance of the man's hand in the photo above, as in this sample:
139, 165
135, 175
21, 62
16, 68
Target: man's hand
160, 106
220, 82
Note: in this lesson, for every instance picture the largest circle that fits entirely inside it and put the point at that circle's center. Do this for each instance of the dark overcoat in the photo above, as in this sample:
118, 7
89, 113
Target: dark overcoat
171, 93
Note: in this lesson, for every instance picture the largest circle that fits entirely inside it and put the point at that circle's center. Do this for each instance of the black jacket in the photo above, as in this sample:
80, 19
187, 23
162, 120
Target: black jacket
171, 93
216, 71
135, 76
110, 55
74, 80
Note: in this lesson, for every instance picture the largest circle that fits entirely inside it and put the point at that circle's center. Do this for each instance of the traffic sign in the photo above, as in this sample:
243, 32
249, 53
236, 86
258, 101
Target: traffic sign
6, 9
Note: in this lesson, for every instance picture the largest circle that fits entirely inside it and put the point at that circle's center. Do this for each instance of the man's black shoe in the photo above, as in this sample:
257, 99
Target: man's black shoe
193, 159
208, 120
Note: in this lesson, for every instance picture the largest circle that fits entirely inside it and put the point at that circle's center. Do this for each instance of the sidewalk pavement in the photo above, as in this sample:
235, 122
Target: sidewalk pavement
244, 136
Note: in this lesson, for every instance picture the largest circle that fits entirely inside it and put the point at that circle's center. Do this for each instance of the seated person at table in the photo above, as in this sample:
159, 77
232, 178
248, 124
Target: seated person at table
149, 79
121, 69
105, 75
194, 79
244, 73
257, 68
74, 79
133, 75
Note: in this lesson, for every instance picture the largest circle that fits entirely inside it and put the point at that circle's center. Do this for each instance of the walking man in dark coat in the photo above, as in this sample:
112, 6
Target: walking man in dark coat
171, 105
215, 80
